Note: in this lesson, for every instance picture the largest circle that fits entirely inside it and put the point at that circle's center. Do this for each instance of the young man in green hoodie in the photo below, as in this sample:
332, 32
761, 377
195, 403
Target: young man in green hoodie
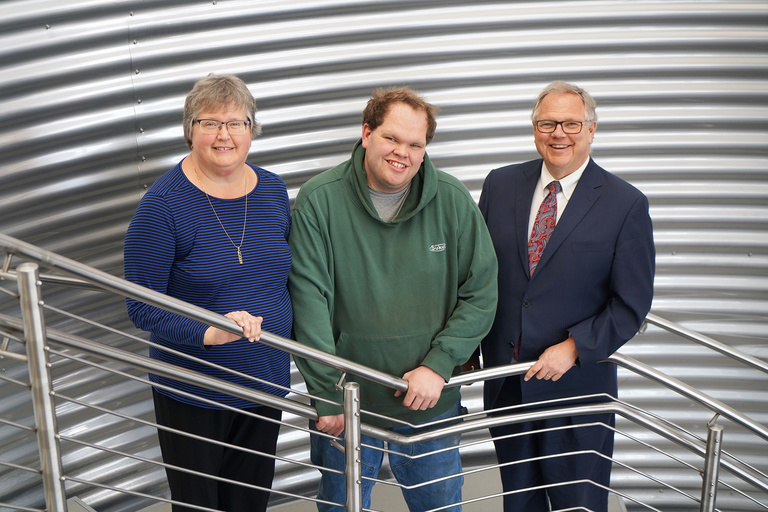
393, 268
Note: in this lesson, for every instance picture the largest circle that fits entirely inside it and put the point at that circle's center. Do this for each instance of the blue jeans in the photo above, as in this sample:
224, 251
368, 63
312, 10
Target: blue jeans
407, 471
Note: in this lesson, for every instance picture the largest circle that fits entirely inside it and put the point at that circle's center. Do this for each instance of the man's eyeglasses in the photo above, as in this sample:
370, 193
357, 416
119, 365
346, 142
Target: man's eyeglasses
570, 127
212, 126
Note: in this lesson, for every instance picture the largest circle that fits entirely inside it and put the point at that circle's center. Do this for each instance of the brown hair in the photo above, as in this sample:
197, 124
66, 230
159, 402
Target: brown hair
382, 99
219, 92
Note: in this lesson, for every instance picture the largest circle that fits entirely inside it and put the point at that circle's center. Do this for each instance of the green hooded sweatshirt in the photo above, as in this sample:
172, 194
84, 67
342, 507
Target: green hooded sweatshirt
420, 290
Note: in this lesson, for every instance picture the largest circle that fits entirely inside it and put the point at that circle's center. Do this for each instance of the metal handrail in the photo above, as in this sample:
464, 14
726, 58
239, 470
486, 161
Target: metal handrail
639, 368
164, 369
690, 392
128, 289
106, 281
667, 325
149, 365
115, 284
662, 428
708, 342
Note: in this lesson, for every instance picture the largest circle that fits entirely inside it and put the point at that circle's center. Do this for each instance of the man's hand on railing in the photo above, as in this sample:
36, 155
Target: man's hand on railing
250, 324
554, 361
333, 425
424, 388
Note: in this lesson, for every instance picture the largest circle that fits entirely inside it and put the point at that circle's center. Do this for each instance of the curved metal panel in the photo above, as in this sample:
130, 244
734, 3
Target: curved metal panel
92, 91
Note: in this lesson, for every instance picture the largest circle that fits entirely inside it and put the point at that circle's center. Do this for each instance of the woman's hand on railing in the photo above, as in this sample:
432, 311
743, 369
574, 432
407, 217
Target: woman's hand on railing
425, 386
251, 326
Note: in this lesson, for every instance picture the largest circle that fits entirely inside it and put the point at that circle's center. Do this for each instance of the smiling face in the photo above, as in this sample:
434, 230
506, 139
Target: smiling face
395, 150
562, 152
220, 153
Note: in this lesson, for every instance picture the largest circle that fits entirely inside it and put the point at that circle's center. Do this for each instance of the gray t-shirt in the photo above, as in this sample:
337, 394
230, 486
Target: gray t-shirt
388, 205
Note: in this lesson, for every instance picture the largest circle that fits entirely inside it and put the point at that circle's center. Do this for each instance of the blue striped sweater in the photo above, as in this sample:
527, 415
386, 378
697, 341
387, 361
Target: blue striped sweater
175, 245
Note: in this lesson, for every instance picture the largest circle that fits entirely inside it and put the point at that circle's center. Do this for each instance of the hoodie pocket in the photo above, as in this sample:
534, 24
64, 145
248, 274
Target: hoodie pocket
394, 355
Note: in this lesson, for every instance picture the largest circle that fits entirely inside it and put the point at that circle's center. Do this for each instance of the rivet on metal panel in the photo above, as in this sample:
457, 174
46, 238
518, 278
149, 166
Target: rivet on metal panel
47, 26
139, 100
141, 130
135, 42
143, 159
131, 14
137, 71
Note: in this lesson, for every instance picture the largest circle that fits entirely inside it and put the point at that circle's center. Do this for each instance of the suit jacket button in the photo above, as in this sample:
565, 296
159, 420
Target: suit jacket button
526, 304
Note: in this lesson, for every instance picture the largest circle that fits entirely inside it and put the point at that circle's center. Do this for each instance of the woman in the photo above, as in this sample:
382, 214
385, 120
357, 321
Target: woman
213, 232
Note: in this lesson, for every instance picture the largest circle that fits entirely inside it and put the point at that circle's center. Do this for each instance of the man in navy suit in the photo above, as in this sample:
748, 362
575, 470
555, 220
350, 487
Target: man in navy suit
576, 265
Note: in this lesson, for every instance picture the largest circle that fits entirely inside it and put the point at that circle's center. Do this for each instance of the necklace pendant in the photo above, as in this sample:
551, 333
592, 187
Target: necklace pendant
239, 256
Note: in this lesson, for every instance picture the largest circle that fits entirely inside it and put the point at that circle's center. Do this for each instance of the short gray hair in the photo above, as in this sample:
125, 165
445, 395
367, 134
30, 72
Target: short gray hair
590, 105
219, 92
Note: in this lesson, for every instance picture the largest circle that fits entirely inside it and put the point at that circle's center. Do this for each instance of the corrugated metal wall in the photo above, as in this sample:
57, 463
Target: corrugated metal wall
91, 94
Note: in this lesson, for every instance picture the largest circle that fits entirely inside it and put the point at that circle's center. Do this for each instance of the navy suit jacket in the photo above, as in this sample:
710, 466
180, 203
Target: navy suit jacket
594, 279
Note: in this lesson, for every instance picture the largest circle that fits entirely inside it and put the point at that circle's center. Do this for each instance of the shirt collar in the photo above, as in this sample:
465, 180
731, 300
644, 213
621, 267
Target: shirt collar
567, 184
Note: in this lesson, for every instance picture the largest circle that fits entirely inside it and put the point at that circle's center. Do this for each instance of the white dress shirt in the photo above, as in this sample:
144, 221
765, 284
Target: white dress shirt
567, 186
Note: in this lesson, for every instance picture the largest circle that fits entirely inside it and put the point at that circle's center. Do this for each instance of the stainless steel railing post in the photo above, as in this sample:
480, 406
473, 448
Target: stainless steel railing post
352, 447
42, 388
711, 467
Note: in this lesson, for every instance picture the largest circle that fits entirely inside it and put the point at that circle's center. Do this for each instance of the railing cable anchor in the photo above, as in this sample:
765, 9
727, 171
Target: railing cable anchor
340, 384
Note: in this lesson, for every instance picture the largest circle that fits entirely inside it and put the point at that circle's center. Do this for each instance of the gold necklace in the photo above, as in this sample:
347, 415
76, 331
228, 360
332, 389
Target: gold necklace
239, 254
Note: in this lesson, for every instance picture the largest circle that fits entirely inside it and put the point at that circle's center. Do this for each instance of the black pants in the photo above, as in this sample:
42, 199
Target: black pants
226, 426
550, 472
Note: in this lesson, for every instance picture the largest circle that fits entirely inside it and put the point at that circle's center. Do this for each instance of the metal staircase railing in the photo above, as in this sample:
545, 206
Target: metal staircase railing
45, 348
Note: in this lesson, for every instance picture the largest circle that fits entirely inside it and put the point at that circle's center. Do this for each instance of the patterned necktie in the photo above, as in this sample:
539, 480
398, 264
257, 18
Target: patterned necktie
543, 225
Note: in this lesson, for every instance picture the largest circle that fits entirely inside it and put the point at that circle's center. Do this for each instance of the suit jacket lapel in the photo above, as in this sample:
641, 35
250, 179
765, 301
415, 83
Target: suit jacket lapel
523, 198
584, 196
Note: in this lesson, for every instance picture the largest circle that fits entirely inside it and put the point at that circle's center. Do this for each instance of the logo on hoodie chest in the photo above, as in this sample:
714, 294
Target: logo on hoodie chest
437, 247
